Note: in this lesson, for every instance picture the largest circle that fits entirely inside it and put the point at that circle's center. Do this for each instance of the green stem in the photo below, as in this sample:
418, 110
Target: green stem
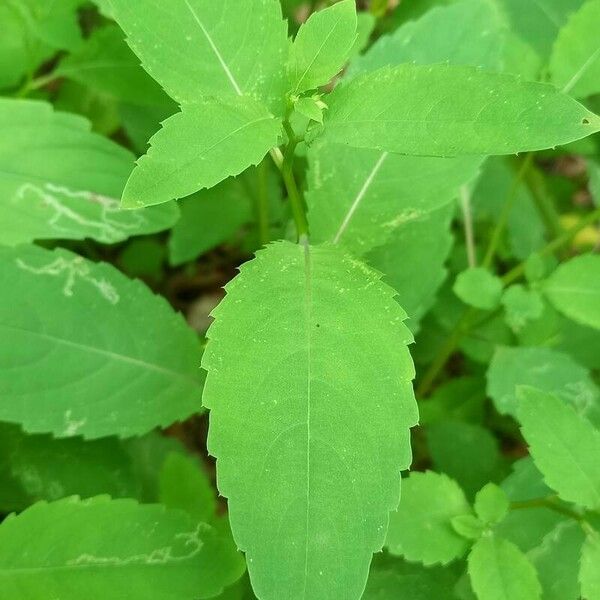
466, 322
550, 503
506, 210
287, 172
543, 203
557, 244
264, 229
31, 85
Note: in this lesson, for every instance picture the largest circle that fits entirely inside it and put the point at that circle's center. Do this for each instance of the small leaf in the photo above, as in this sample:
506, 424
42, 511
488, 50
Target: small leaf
472, 112
58, 180
185, 486
102, 548
113, 357
590, 574
209, 218
394, 579
421, 529
310, 108
193, 50
419, 275
557, 560
564, 446
491, 504
575, 61
293, 459
500, 571
199, 147
469, 526
521, 306
546, 370
574, 289
323, 45
467, 452
479, 288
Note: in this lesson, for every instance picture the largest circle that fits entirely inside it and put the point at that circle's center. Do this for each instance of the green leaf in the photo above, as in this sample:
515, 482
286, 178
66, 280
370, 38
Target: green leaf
564, 446
538, 23
472, 112
575, 61
102, 548
391, 578
208, 219
475, 38
310, 108
184, 485
199, 147
105, 63
293, 457
193, 48
478, 287
421, 529
468, 526
114, 359
360, 198
322, 46
557, 559
491, 504
590, 574
60, 181
546, 370
521, 306
500, 571
574, 289
419, 275
467, 452
50, 469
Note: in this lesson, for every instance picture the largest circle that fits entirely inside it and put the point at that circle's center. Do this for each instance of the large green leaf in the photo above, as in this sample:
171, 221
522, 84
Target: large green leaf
323, 45
199, 147
197, 48
575, 62
500, 571
58, 180
421, 528
89, 351
111, 549
471, 112
310, 429
574, 289
546, 370
564, 446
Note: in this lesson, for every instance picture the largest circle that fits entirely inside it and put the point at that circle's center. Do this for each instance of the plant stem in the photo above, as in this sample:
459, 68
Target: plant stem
504, 215
550, 503
262, 205
553, 246
35, 84
465, 204
543, 203
287, 172
466, 322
